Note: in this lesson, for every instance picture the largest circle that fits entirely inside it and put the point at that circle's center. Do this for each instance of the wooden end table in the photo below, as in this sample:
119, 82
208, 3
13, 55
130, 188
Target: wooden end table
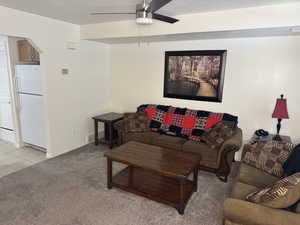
155, 173
109, 133
255, 139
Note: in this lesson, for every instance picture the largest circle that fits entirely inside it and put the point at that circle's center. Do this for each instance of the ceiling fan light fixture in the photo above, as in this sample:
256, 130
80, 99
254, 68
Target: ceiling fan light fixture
144, 20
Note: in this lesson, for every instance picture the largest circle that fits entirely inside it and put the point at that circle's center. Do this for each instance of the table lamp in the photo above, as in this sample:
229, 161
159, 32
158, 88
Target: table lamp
280, 112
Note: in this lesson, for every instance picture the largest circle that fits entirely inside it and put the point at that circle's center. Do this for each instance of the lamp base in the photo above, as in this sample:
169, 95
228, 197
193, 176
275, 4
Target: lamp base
277, 138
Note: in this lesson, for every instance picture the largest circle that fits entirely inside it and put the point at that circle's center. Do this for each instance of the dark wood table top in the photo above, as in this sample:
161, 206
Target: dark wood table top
109, 117
164, 161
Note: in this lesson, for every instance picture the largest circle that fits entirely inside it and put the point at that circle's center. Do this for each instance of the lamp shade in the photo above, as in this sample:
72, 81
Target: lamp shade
280, 110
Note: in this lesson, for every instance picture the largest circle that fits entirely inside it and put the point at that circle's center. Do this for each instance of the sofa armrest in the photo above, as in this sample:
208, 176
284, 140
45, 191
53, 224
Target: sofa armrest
247, 213
234, 143
119, 127
226, 154
230, 146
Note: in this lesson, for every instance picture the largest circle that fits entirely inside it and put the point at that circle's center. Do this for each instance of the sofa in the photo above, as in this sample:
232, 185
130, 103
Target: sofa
217, 160
238, 211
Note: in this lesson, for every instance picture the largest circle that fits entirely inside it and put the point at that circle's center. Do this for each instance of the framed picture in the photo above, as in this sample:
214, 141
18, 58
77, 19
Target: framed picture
195, 75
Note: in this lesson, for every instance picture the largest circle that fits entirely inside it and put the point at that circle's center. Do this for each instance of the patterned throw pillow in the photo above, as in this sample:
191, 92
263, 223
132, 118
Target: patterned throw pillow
136, 122
268, 157
217, 135
282, 194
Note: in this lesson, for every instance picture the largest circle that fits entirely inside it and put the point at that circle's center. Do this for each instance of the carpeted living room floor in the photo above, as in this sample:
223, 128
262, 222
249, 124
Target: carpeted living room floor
71, 190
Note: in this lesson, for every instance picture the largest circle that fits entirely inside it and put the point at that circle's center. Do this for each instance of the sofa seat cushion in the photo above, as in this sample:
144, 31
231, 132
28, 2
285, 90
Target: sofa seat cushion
255, 177
209, 156
169, 142
282, 194
143, 137
241, 190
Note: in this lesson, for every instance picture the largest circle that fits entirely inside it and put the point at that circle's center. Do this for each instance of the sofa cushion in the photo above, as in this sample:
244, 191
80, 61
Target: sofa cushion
281, 194
209, 156
241, 190
268, 156
248, 213
215, 136
169, 142
136, 122
143, 137
255, 177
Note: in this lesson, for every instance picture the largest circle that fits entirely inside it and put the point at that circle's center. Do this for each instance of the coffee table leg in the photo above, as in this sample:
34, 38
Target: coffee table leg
195, 179
130, 175
109, 173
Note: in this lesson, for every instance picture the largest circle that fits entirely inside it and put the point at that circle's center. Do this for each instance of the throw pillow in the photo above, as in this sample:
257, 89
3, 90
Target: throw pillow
217, 135
269, 156
282, 194
136, 122
292, 164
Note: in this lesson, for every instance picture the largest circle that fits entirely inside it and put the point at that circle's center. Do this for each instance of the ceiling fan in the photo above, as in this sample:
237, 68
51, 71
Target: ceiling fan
145, 12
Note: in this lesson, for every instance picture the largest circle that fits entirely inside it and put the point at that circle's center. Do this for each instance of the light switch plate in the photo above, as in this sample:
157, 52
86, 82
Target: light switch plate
65, 71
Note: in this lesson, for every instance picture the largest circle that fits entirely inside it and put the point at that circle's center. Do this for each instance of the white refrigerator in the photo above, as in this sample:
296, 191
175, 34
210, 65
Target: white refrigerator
32, 113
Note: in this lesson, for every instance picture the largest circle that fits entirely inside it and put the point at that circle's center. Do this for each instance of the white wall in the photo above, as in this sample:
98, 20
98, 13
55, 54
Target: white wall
70, 100
258, 70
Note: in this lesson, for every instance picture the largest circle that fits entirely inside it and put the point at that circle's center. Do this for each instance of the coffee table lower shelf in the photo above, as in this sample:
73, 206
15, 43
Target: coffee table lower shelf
155, 186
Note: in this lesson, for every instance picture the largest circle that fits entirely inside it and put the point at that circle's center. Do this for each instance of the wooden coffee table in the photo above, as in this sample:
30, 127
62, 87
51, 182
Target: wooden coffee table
156, 173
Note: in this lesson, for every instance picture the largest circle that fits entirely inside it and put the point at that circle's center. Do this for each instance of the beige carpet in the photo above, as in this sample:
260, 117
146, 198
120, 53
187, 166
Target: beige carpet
71, 190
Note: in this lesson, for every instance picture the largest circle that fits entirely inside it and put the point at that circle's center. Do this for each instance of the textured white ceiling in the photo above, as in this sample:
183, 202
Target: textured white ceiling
77, 11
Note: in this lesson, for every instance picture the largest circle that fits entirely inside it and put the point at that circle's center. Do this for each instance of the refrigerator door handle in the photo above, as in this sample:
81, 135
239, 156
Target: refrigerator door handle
17, 83
18, 100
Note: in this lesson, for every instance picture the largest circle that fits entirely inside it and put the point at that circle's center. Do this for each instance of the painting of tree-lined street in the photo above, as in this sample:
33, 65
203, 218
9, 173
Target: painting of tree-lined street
193, 75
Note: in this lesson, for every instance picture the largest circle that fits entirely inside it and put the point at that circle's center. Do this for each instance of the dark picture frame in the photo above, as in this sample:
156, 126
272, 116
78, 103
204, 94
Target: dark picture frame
195, 75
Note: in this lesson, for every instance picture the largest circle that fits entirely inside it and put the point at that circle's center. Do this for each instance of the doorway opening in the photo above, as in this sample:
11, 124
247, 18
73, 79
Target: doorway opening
23, 139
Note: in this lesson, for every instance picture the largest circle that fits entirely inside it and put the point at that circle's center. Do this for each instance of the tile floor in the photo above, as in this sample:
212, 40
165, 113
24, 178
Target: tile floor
13, 159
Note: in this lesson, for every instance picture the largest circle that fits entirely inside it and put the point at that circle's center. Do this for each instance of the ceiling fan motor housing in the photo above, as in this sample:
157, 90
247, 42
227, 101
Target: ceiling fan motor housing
143, 16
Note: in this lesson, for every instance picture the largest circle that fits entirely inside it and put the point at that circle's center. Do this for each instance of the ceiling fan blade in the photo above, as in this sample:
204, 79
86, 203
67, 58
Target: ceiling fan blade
122, 13
157, 4
164, 18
